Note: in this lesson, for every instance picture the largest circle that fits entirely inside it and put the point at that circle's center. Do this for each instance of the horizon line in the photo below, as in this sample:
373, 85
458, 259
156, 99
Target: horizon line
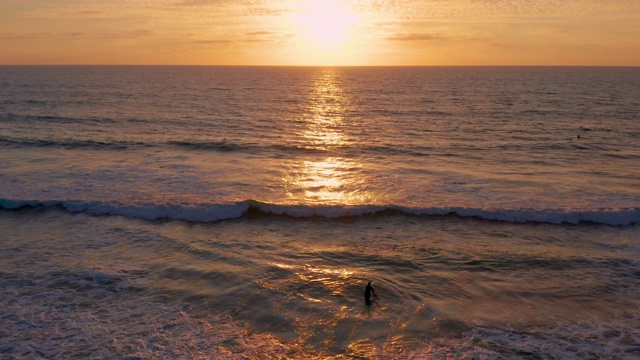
370, 66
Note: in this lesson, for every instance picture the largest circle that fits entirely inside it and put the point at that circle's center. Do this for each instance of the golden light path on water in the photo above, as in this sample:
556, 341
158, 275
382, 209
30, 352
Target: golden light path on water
332, 323
335, 316
329, 180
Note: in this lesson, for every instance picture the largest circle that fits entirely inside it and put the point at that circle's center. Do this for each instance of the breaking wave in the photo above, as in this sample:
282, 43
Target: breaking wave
212, 212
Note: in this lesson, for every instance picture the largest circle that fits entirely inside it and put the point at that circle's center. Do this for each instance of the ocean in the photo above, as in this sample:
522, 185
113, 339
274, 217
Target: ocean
197, 212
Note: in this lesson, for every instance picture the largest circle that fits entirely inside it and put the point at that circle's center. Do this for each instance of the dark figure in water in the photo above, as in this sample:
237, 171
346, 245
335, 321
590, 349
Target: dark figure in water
367, 293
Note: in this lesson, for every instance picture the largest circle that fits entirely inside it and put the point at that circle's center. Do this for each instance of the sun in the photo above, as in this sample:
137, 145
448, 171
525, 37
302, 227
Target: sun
324, 24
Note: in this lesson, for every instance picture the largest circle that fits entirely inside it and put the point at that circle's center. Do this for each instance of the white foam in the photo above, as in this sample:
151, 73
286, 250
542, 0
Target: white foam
612, 339
100, 316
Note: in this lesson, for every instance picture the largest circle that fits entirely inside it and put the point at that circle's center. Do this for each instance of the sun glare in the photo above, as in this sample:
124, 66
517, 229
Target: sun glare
324, 24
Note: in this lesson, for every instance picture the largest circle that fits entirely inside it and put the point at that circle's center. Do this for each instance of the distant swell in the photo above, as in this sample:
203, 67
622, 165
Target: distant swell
49, 119
217, 146
69, 144
217, 212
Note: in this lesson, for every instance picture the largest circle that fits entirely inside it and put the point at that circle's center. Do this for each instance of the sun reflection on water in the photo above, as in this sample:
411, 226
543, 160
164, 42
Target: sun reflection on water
333, 279
320, 296
319, 320
318, 179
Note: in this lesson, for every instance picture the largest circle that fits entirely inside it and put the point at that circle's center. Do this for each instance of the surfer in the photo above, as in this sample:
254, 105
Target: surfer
367, 293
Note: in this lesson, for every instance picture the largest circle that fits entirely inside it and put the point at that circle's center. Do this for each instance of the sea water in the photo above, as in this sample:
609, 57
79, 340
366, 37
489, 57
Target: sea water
239, 212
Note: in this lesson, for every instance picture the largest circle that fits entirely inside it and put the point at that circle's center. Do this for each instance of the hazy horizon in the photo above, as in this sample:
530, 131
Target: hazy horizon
333, 66
321, 33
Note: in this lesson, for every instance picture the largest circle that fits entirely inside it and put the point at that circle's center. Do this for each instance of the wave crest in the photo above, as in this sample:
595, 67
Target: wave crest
213, 212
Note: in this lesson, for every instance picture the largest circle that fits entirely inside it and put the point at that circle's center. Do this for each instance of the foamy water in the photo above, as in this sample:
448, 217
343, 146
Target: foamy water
197, 212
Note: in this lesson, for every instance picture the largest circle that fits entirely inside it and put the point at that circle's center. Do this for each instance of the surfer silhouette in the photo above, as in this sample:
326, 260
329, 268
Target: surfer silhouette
367, 293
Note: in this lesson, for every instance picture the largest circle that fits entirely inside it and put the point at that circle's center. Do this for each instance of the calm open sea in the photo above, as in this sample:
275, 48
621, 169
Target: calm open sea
238, 212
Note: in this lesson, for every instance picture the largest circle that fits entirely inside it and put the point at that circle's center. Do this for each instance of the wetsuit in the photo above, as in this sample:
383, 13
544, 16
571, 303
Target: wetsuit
367, 294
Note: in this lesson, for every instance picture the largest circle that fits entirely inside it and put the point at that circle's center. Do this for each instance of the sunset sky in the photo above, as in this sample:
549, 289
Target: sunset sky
321, 32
